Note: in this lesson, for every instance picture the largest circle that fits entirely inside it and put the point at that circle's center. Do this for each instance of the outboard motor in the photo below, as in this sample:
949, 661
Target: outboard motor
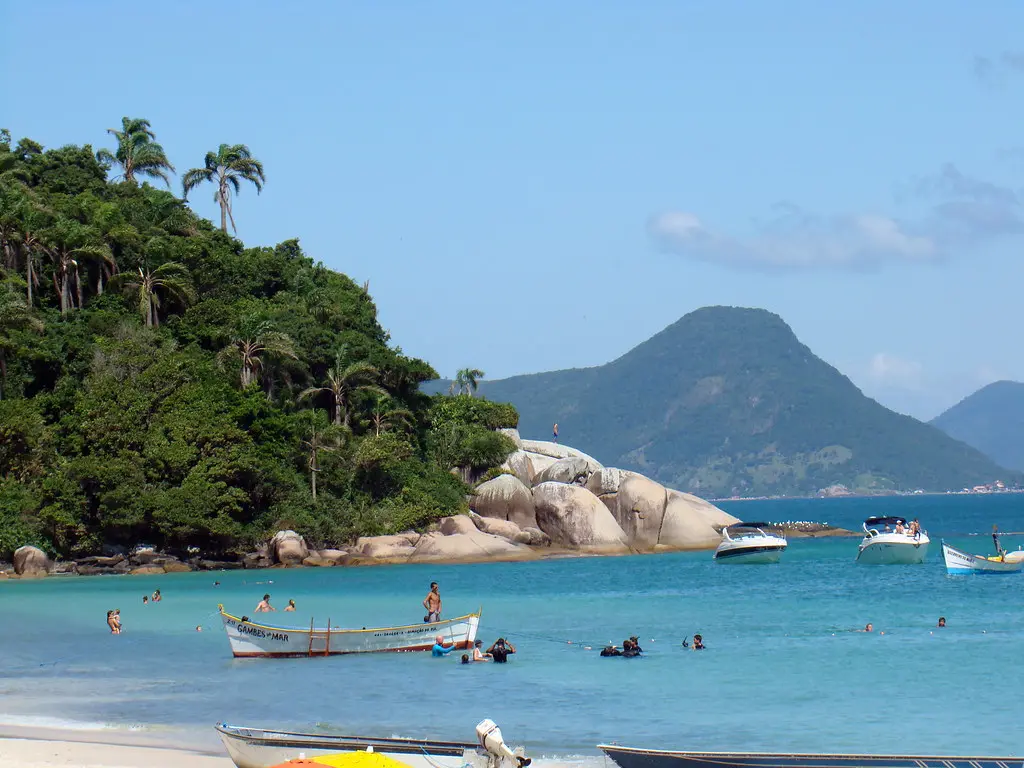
489, 735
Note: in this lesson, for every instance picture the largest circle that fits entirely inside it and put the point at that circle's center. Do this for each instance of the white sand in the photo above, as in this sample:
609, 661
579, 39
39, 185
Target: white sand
39, 753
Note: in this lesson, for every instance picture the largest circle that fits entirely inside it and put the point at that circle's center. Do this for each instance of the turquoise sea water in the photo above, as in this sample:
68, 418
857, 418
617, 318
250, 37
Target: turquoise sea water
782, 671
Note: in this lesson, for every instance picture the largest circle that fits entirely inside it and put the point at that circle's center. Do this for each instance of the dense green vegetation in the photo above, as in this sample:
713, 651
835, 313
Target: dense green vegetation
161, 383
991, 420
728, 401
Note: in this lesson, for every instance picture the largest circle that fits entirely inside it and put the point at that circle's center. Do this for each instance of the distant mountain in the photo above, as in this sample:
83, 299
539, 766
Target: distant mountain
727, 401
991, 420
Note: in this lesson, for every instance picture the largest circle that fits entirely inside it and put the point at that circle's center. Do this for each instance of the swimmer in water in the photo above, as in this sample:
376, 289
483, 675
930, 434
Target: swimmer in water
942, 621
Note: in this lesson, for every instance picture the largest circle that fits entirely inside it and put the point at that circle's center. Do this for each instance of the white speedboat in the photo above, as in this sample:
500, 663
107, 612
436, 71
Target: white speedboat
749, 543
883, 545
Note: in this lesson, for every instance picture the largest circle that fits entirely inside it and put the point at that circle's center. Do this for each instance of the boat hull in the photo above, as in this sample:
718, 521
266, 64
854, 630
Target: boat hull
627, 757
251, 639
256, 748
750, 555
884, 551
960, 562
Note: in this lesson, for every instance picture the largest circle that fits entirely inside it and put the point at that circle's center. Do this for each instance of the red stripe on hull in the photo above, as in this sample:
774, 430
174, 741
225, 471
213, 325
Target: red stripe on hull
460, 646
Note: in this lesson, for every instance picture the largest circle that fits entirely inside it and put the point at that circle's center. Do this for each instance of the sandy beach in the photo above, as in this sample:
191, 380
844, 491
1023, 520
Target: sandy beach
27, 747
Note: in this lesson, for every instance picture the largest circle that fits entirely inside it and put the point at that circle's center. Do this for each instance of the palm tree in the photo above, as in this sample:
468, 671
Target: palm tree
14, 314
137, 153
343, 383
69, 244
466, 381
169, 279
322, 436
226, 167
386, 415
254, 339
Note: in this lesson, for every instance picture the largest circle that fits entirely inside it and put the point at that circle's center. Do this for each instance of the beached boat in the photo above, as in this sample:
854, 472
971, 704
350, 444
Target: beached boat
887, 547
749, 543
958, 561
251, 638
628, 757
259, 748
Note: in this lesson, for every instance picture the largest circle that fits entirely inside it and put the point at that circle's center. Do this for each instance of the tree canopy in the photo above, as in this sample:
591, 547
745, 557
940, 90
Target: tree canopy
161, 383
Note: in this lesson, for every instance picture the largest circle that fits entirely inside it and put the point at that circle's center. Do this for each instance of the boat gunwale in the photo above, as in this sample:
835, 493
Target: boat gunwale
805, 755
232, 732
333, 631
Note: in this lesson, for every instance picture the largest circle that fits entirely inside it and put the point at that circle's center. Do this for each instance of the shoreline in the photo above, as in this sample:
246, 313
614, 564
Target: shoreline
536, 554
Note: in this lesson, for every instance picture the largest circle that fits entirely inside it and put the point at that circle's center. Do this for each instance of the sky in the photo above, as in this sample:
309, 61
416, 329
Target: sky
532, 186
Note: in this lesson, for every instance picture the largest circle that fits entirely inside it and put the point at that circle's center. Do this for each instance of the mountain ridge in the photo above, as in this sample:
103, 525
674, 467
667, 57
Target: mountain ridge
728, 401
991, 420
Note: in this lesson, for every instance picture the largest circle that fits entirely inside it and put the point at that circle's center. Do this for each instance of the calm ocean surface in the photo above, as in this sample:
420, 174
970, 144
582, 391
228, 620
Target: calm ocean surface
783, 670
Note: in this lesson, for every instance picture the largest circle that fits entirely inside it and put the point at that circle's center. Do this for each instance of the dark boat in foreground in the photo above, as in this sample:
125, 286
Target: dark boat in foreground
628, 757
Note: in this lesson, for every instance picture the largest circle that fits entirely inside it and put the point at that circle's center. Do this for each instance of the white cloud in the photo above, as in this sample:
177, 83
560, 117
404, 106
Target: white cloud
889, 371
964, 212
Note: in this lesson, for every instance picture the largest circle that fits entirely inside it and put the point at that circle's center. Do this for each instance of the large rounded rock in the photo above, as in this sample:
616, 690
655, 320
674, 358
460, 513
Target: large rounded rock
384, 547
336, 556
456, 524
607, 480
467, 547
574, 517
640, 509
497, 527
520, 465
685, 527
533, 537
31, 561
555, 450
574, 470
505, 498
288, 548
513, 435
711, 514
539, 462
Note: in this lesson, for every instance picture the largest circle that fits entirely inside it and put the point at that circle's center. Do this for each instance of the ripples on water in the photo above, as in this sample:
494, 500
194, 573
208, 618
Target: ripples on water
783, 670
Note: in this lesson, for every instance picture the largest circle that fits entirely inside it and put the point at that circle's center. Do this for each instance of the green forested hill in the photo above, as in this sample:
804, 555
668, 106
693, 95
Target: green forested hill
991, 420
162, 383
728, 401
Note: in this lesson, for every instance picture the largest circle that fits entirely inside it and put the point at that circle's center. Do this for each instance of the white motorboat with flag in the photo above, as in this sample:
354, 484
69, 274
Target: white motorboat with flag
250, 638
892, 541
750, 543
260, 748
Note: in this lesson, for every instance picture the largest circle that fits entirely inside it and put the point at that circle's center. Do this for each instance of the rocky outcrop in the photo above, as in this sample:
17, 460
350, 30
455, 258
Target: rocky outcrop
574, 517
712, 515
288, 548
513, 435
390, 548
505, 498
336, 556
640, 510
450, 526
467, 547
685, 527
539, 462
607, 480
574, 470
497, 527
533, 537
556, 450
31, 562
520, 465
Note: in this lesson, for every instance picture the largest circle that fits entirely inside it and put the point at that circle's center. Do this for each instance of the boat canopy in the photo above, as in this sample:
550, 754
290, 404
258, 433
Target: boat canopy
885, 521
752, 525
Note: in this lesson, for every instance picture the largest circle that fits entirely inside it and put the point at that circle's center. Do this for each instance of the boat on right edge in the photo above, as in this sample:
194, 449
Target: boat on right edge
960, 562
894, 544
629, 757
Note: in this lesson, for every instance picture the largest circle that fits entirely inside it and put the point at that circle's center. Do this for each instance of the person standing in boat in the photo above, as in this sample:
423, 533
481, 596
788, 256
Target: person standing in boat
432, 602
265, 606
1000, 552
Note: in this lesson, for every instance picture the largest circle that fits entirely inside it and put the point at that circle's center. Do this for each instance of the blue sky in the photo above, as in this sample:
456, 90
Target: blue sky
543, 185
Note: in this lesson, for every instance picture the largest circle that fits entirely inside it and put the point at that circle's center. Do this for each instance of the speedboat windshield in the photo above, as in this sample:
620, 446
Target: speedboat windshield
737, 530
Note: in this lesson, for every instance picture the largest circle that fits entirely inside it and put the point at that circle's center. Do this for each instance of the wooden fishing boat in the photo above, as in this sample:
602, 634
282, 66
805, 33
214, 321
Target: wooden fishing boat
258, 748
628, 757
960, 562
254, 639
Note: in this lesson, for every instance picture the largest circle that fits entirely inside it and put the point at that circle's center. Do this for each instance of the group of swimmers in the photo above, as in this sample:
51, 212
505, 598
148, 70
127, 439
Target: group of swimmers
157, 597
264, 606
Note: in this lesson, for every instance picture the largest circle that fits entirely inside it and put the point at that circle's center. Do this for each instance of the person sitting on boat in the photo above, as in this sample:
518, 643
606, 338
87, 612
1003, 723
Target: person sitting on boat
479, 655
611, 650
440, 649
500, 650
265, 606
899, 527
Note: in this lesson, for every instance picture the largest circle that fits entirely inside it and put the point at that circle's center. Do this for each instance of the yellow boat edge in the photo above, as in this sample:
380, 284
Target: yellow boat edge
225, 614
